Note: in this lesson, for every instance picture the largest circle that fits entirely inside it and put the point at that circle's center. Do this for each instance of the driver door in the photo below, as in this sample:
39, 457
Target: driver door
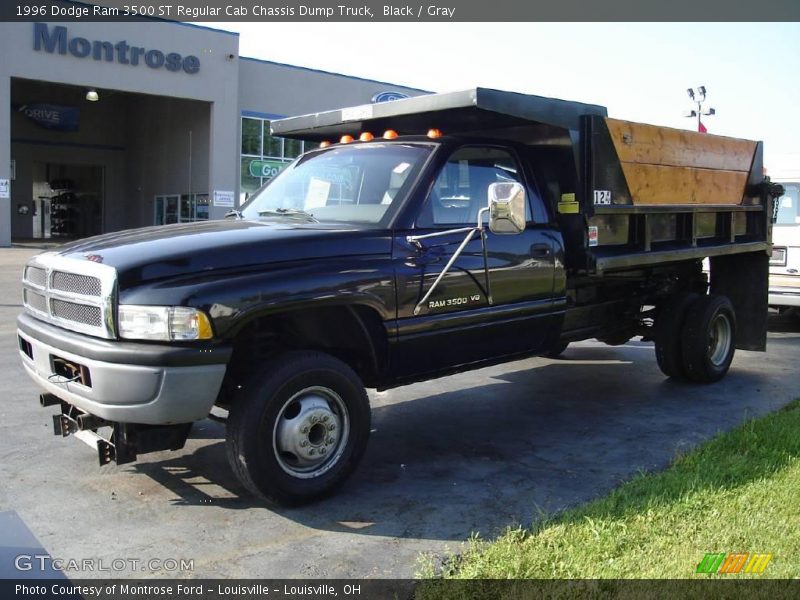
457, 325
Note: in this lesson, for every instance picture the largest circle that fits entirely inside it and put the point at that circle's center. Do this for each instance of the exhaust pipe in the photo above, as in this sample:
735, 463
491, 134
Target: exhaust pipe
90, 422
49, 400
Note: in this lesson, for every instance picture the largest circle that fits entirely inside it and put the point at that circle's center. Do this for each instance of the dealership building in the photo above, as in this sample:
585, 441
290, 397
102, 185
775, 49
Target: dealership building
116, 125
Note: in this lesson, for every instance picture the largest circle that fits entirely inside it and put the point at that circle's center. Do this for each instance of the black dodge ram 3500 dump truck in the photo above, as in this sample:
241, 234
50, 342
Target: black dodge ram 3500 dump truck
424, 236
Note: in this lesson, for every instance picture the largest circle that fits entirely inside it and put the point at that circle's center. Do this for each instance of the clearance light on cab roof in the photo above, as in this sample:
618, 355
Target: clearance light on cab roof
434, 133
324, 144
389, 134
346, 139
366, 137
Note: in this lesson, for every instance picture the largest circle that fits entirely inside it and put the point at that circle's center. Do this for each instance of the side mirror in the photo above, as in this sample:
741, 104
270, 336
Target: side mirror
506, 207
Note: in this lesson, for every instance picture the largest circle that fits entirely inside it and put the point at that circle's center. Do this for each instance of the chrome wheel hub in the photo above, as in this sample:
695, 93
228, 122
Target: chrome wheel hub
311, 432
719, 340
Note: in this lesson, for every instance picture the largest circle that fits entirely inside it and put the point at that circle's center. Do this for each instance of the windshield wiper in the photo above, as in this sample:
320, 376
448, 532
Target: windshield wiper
287, 212
234, 213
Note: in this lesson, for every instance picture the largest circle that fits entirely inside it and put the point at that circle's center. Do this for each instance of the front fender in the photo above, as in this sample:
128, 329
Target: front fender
234, 299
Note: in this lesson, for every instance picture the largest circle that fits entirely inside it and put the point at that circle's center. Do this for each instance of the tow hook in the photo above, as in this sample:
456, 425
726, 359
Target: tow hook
125, 441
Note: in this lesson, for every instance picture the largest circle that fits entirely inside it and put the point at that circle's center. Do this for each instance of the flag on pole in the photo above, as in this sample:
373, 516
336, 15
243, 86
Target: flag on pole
701, 128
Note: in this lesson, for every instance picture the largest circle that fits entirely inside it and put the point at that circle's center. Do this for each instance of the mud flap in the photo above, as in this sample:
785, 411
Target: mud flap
744, 279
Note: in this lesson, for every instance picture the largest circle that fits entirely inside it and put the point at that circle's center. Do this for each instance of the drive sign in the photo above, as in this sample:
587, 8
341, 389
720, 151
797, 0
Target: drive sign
266, 168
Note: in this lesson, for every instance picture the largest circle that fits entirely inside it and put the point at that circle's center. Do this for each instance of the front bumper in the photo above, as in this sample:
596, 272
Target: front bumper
784, 297
128, 382
784, 290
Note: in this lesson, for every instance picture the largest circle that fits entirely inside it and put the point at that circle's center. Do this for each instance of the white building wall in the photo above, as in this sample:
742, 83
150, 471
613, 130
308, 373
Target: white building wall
146, 129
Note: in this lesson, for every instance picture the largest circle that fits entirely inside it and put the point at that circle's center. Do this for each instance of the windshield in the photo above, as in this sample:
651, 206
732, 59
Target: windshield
789, 205
356, 184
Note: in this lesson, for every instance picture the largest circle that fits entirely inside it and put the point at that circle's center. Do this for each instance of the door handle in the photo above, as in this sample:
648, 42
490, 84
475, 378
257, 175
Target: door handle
540, 250
424, 257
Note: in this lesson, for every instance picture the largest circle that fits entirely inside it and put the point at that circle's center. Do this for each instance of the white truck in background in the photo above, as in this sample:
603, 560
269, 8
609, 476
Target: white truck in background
784, 266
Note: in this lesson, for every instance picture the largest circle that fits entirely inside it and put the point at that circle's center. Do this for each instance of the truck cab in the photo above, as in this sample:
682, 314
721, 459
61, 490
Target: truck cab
427, 193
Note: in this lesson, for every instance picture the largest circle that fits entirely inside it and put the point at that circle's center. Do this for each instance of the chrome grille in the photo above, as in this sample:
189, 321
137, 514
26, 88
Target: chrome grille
74, 283
35, 301
71, 293
80, 313
36, 276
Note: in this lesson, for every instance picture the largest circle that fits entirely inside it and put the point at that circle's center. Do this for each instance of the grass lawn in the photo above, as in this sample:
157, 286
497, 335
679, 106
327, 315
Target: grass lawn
739, 492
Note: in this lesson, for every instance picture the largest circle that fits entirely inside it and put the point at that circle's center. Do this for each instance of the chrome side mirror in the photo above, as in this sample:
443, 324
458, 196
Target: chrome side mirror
506, 207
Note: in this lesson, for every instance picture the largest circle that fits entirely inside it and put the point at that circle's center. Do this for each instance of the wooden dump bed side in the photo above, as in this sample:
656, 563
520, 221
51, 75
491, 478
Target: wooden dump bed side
653, 195
671, 166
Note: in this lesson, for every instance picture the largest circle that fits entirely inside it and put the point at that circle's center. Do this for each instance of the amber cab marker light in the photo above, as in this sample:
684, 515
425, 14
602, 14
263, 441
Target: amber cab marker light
434, 133
389, 134
324, 144
346, 139
366, 137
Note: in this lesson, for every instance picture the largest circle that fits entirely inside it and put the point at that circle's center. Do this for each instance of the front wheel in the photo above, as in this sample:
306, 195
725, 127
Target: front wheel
709, 338
299, 428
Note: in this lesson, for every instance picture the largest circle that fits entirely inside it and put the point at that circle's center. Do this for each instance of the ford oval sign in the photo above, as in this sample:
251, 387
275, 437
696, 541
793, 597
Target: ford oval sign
388, 96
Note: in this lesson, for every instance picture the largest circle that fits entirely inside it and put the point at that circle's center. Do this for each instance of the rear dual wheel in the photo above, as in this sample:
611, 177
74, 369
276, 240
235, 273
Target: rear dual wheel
696, 338
669, 327
709, 339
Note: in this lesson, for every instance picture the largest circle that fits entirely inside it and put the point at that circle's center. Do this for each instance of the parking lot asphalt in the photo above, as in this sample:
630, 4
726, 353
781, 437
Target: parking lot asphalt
472, 453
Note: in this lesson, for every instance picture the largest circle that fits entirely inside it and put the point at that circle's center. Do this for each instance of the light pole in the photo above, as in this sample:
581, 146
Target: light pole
698, 96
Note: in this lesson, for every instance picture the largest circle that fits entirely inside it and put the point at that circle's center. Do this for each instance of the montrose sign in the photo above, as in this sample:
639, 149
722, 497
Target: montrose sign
56, 40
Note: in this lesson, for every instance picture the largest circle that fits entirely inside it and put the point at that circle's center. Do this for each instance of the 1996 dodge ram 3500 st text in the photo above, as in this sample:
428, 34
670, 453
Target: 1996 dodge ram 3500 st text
435, 234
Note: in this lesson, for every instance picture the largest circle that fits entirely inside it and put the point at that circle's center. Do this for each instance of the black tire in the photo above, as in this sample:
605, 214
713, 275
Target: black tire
709, 339
669, 325
557, 350
288, 412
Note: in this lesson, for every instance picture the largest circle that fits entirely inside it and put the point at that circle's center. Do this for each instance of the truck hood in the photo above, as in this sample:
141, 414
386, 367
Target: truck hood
151, 253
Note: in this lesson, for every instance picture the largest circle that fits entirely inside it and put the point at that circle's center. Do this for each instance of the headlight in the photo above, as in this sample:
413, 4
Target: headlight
163, 323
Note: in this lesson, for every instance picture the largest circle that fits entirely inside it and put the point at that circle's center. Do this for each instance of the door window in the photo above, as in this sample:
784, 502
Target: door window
462, 188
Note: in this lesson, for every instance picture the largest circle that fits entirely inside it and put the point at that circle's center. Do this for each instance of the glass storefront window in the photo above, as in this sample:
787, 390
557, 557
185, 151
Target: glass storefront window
249, 183
251, 136
158, 217
183, 208
292, 148
272, 145
201, 207
259, 144
187, 208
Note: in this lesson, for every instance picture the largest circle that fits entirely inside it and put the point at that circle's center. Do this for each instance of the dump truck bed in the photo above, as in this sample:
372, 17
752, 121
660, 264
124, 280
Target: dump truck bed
626, 194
